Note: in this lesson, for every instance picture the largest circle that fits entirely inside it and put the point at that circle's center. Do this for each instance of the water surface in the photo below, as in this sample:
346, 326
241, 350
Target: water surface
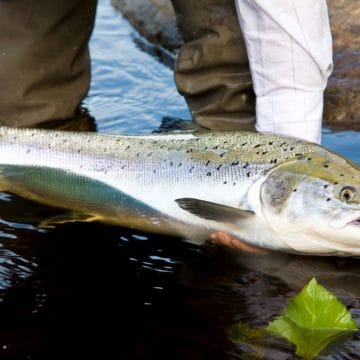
89, 291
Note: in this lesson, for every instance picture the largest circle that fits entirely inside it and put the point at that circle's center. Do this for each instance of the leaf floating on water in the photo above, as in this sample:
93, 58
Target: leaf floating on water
313, 319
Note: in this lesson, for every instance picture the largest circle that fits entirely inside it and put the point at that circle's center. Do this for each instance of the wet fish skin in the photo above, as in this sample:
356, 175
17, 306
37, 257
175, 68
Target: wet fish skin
270, 191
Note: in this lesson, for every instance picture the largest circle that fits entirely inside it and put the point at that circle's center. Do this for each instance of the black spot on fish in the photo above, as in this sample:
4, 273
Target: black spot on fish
264, 152
256, 146
292, 148
219, 167
222, 155
171, 163
216, 147
282, 144
191, 169
342, 175
207, 163
78, 151
149, 154
309, 159
326, 165
270, 143
225, 182
258, 153
248, 174
234, 184
243, 144
162, 146
336, 183
208, 174
225, 142
328, 199
326, 186
189, 151
154, 171
205, 148
138, 154
123, 167
295, 190
180, 164
234, 163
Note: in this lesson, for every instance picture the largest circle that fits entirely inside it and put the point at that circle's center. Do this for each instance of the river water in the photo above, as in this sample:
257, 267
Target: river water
89, 291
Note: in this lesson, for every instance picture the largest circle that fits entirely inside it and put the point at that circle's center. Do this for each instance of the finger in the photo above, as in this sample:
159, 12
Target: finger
225, 239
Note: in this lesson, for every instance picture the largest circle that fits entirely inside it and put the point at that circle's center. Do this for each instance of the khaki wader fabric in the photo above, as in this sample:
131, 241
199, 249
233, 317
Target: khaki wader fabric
45, 65
44, 60
212, 70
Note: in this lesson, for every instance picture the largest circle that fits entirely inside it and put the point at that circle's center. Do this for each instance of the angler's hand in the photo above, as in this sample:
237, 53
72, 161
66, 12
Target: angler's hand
226, 239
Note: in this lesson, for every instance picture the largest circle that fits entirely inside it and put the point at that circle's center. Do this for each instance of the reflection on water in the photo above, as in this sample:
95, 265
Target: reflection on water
89, 291
130, 91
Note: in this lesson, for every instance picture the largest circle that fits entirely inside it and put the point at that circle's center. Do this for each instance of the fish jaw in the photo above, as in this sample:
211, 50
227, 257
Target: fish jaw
344, 219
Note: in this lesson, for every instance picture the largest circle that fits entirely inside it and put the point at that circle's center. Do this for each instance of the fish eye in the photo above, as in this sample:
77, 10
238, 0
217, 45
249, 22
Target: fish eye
347, 193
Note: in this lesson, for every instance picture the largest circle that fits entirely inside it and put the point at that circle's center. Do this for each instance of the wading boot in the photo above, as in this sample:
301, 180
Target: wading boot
212, 70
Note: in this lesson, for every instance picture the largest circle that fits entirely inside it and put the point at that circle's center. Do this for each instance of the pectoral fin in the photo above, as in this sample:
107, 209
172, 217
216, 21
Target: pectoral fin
212, 211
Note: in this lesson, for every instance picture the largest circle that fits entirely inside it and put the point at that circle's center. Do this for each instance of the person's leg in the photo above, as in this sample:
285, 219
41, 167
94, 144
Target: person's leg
212, 70
290, 47
44, 60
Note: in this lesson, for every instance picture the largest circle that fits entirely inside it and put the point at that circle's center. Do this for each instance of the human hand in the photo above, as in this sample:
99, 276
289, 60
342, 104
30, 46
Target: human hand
223, 238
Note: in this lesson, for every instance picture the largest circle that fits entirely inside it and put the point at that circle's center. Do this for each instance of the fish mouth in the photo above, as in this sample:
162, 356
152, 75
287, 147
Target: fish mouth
342, 220
355, 222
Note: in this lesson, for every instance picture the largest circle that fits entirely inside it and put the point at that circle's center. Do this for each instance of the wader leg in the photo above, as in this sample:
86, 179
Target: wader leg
212, 70
44, 62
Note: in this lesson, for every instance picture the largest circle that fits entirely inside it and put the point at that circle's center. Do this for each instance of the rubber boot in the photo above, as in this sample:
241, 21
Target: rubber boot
44, 62
212, 69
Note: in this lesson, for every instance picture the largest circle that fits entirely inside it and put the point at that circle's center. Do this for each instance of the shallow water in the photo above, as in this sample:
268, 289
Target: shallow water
88, 291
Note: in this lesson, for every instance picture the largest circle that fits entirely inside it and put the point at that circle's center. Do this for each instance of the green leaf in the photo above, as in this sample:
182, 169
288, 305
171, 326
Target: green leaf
313, 319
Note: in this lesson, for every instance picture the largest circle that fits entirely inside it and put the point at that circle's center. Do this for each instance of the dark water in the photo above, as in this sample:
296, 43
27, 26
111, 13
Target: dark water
88, 291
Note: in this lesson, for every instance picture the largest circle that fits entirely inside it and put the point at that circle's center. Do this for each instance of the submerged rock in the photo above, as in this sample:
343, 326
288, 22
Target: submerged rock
155, 20
342, 98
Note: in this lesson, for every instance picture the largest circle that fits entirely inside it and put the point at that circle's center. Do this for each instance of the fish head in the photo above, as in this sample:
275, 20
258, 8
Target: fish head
313, 204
